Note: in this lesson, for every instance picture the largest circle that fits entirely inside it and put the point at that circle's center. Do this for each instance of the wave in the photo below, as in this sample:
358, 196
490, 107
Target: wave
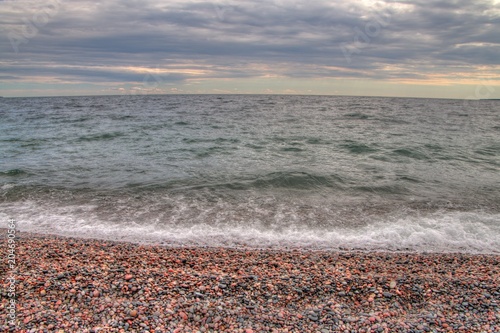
357, 115
102, 136
215, 140
296, 180
465, 232
13, 173
292, 180
411, 153
493, 150
358, 148
384, 189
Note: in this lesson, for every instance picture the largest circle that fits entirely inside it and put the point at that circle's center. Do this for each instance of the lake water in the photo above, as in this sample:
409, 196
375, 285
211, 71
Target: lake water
310, 172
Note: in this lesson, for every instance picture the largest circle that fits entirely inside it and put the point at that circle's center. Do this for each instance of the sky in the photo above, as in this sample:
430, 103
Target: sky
413, 48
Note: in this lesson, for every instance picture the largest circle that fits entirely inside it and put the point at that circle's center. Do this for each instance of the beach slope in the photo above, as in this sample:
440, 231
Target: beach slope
81, 285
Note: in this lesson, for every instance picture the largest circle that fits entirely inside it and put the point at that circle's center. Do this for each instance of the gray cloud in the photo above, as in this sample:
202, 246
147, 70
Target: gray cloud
94, 41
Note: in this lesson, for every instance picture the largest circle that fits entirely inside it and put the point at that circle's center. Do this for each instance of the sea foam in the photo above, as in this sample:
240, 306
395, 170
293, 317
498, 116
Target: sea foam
466, 232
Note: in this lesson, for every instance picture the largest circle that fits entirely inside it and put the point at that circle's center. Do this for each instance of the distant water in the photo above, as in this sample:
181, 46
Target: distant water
310, 172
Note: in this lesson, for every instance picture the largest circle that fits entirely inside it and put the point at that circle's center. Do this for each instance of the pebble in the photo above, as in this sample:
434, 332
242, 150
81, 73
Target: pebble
313, 317
183, 315
122, 287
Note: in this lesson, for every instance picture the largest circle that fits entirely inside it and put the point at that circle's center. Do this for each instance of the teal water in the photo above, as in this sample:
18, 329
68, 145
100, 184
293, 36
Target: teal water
258, 171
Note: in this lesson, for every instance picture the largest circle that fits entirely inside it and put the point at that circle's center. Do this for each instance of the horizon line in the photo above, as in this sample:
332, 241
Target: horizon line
251, 94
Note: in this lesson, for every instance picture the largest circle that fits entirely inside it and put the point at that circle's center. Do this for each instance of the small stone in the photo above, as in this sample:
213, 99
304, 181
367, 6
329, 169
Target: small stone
313, 317
128, 277
96, 293
392, 284
387, 294
43, 292
133, 313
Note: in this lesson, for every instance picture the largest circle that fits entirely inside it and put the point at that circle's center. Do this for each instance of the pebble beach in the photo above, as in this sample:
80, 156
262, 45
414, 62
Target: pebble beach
83, 285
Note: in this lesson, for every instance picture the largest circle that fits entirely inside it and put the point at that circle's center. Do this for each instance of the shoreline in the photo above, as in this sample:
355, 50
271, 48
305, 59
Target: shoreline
242, 246
68, 284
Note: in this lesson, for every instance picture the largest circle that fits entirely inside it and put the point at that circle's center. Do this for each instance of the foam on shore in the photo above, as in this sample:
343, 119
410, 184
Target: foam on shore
440, 232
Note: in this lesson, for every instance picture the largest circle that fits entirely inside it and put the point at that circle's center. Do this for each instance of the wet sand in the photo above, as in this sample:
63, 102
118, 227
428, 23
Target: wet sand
81, 285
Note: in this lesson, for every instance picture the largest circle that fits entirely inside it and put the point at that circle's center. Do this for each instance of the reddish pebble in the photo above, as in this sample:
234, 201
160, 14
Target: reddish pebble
160, 299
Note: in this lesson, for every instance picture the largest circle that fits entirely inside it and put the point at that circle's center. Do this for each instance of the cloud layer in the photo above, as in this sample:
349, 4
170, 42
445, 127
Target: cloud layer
202, 46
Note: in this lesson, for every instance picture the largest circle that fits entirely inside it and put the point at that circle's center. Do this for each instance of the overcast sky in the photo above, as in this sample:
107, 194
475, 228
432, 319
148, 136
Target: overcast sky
415, 48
